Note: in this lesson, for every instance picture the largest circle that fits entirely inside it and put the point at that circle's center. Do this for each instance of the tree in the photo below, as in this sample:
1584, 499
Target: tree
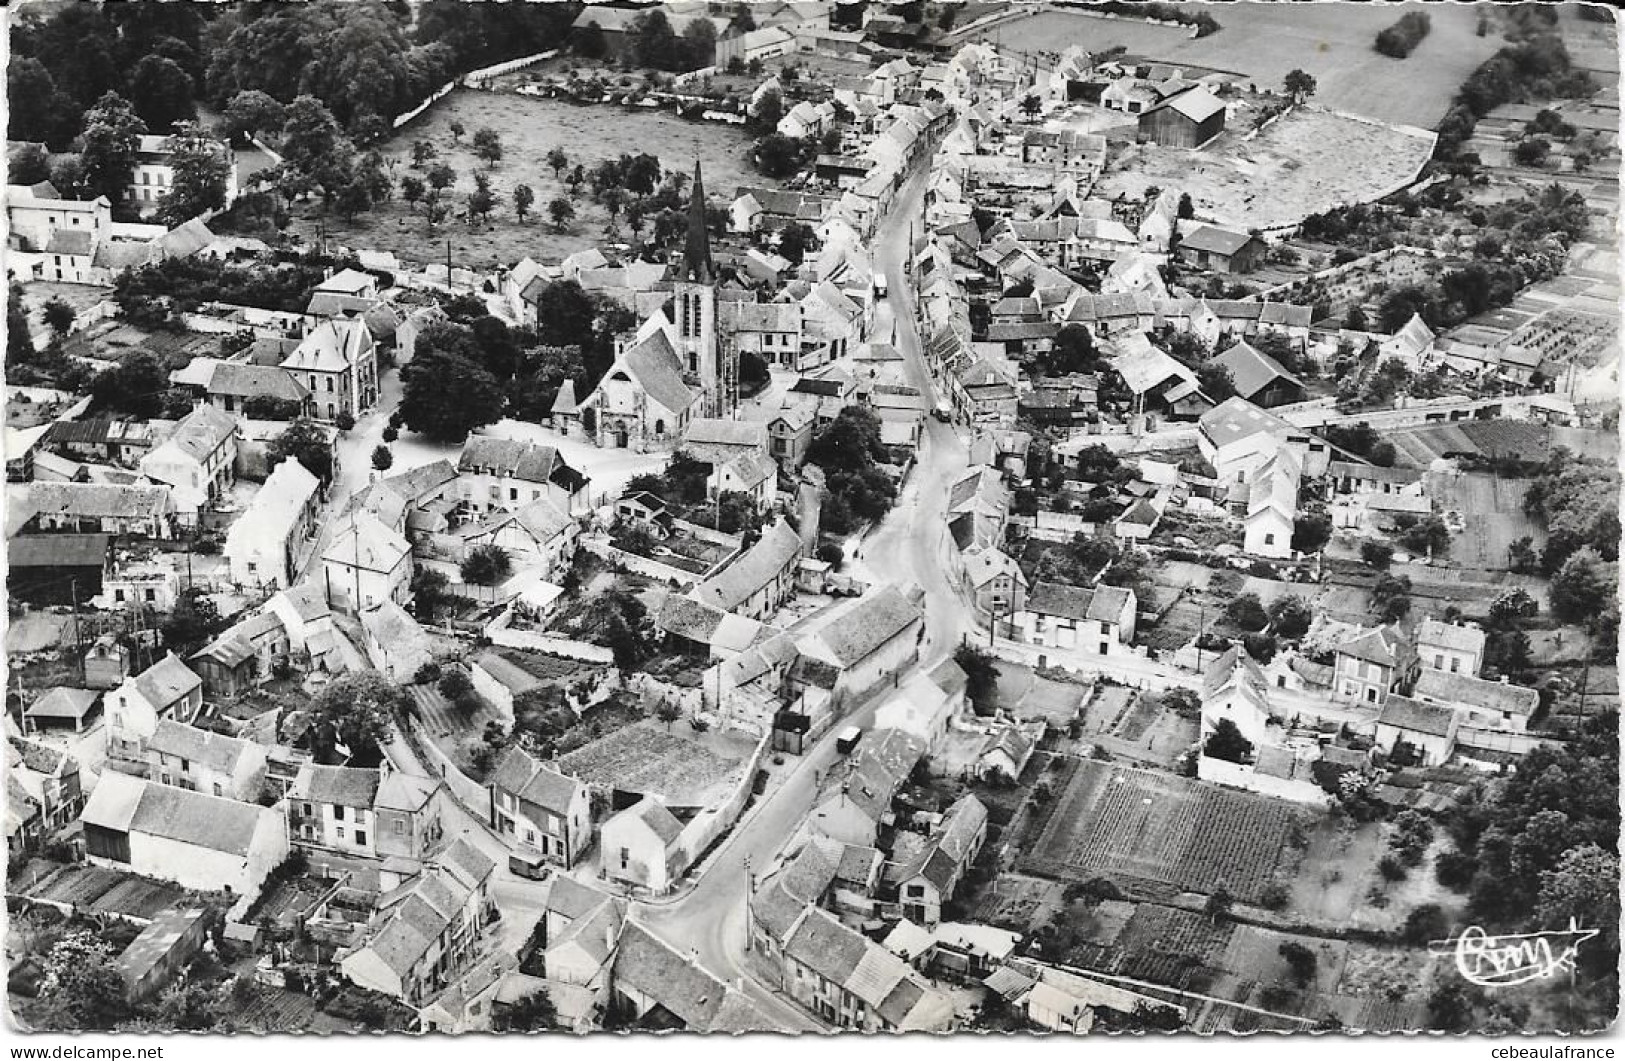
481, 202
1299, 85
777, 155
1219, 902
136, 385
1584, 887
454, 684
1311, 531
1290, 616
1226, 742
422, 151
1186, 209
1583, 587
795, 240
59, 316
767, 110
192, 623
356, 710
1247, 612
557, 160
486, 565
457, 129
382, 459
29, 164
112, 134
523, 198
1216, 381
81, 983
561, 213
411, 190
161, 92
1532, 151
306, 442
982, 679
1031, 105
441, 176
617, 620
1073, 351
445, 396
40, 112
252, 113
1429, 536
534, 1012
1300, 960
429, 593
202, 173
1425, 924
1377, 554
488, 146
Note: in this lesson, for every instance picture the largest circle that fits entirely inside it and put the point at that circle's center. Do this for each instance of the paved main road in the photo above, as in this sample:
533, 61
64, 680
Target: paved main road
909, 545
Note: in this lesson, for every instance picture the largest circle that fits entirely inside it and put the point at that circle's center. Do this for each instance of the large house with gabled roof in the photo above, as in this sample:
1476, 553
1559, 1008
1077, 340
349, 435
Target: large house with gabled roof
535, 806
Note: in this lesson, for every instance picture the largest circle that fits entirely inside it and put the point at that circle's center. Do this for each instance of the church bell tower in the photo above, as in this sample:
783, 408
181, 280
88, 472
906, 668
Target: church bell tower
695, 309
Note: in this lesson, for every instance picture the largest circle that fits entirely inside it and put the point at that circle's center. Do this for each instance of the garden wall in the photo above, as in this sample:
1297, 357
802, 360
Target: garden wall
1235, 775
499, 632
464, 789
708, 826
640, 564
478, 78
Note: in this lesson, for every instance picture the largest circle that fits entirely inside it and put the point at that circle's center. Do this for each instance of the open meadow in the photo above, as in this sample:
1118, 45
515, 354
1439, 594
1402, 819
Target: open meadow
530, 128
1263, 41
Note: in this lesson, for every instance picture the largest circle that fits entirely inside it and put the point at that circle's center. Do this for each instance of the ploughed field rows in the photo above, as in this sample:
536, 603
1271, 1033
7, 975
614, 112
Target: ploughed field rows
1162, 830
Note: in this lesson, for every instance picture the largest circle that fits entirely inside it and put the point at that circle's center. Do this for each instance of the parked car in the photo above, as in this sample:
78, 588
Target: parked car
528, 863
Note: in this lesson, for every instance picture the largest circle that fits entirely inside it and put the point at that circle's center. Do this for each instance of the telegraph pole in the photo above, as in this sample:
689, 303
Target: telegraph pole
450, 285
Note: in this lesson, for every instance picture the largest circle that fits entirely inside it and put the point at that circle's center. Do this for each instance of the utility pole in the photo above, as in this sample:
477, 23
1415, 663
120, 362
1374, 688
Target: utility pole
78, 646
450, 286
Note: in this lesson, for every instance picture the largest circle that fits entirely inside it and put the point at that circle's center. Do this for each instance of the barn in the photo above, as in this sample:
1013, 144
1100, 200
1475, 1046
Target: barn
1189, 119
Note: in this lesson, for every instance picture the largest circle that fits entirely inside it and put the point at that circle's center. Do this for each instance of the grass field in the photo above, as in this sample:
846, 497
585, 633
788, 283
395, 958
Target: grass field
1296, 167
1164, 830
530, 128
1263, 41
1492, 517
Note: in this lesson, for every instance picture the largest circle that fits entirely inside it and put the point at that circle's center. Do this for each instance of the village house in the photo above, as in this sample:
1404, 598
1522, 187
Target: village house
926, 705
265, 545
62, 705
1260, 378
652, 983
1350, 477
1220, 250
534, 805
425, 933
1451, 647
1429, 730
47, 569
307, 621
87, 508
1371, 665
395, 642
930, 879
1005, 755
857, 801
241, 656
1479, 702
540, 536
350, 812
49, 778
582, 927
199, 841
366, 564
1236, 437
1272, 506
1189, 119
760, 580
860, 644
338, 363
166, 690
997, 582
152, 173
844, 978
197, 462
504, 475
204, 761
1096, 621
639, 846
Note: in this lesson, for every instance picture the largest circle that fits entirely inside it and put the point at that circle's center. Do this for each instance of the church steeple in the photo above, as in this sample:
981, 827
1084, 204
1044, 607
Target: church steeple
697, 253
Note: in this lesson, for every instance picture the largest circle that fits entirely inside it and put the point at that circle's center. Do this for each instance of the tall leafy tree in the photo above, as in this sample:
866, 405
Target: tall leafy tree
111, 137
161, 92
445, 396
309, 444
40, 112
252, 113
201, 174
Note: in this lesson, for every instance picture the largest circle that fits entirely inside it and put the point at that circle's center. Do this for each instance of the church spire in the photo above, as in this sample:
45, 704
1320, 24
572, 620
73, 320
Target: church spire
697, 253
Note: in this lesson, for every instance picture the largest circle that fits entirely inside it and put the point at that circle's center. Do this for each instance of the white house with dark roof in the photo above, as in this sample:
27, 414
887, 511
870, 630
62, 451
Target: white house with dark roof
851, 982
204, 761
1371, 665
930, 879
266, 543
1452, 647
366, 564
1429, 729
643, 400
504, 475
166, 690
1220, 249
535, 806
425, 933
1272, 506
760, 580
539, 535
1097, 622
1236, 437
338, 363
640, 846
197, 461
653, 983
199, 841
860, 643
1481, 703
365, 813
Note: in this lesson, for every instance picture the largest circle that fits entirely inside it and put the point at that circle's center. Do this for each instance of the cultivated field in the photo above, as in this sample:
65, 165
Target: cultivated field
1263, 41
530, 128
682, 769
1492, 516
1161, 829
1296, 167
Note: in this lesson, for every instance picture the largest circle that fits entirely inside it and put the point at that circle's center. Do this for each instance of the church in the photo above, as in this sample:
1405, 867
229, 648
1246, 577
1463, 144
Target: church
675, 368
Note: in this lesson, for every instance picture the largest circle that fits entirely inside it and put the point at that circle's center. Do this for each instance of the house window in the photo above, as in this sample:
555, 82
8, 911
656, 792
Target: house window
1370, 694
360, 838
338, 814
307, 810
217, 790
1105, 628
186, 765
1269, 539
626, 857
1455, 665
151, 595
118, 595
1438, 661
340, 832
